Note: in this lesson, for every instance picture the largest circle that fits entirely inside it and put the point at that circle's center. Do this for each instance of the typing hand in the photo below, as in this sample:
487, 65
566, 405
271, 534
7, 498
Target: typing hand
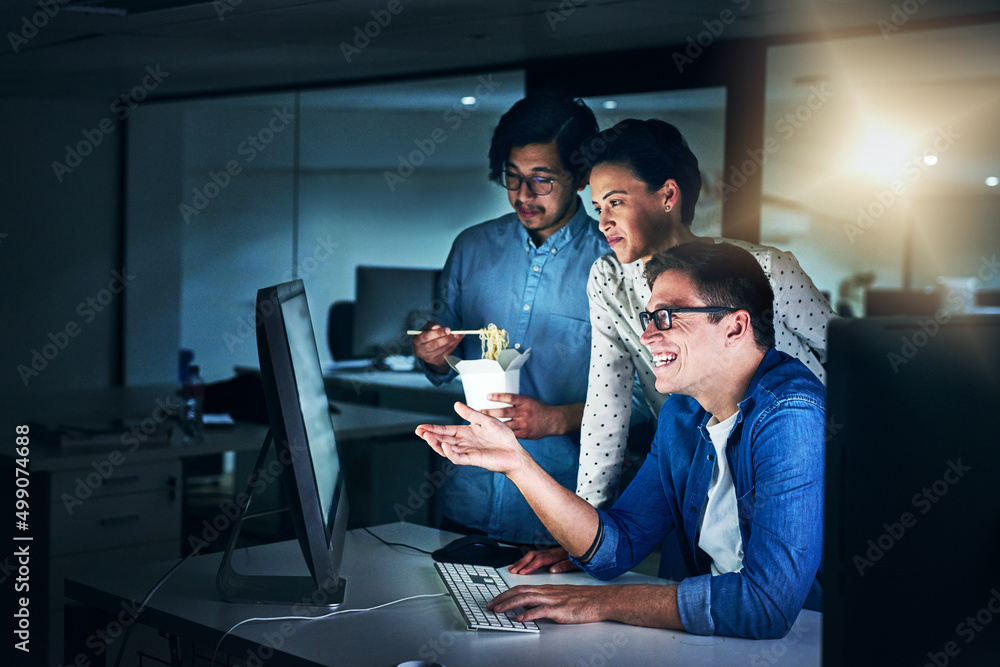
434, 344
556, 560
530, 418
562, 604
484, 442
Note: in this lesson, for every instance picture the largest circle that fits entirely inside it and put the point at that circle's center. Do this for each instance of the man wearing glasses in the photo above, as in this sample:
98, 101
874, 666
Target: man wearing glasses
736, 468
525, 272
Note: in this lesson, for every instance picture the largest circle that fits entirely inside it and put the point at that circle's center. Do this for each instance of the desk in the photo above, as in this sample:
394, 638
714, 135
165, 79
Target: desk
188, 605
390, 389
91, 506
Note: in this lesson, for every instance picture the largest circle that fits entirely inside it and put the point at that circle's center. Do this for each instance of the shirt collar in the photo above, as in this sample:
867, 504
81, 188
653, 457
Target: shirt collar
770, 360
564, 234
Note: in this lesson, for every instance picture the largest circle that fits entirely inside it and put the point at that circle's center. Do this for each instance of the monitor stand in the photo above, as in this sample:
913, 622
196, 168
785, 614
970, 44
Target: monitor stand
300, 590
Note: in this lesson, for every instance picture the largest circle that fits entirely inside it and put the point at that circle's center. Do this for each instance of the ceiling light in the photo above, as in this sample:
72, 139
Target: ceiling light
992, 181
468, 100
930, 159
610, 104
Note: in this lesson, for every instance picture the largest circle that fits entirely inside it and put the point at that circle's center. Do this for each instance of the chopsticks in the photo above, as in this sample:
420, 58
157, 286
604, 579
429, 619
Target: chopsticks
454, 332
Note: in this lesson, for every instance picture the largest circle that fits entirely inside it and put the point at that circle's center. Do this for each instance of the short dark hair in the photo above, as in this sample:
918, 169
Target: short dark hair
541, 119
655, 151
724, 275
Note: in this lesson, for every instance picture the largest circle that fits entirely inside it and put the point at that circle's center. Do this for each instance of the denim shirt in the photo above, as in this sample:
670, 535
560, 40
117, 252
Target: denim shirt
495, 274
776, 455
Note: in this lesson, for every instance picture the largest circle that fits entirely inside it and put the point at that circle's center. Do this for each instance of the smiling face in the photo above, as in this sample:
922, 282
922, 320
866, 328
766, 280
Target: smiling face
634, 220
689, 357
542, 215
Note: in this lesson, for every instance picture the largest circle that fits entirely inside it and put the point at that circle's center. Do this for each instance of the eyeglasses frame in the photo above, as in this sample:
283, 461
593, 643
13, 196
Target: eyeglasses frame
646, 317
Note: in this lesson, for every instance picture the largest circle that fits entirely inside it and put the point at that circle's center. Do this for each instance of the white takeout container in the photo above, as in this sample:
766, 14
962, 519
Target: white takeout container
481, 377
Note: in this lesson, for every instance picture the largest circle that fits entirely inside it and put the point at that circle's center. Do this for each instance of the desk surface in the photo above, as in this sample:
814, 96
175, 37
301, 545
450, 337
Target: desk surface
426, 628
353, 422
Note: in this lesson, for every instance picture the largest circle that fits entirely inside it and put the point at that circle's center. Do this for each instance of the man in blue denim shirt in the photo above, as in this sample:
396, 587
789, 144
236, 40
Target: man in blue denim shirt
527, 273
748, 504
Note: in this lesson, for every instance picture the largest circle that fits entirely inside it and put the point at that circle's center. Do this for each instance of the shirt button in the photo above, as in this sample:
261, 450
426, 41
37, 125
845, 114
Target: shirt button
535, 269
527, 307
553, 251
710, 457
517, 346
691, 510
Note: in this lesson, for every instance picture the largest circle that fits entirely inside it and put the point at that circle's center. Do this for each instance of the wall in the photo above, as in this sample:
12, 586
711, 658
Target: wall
59, 246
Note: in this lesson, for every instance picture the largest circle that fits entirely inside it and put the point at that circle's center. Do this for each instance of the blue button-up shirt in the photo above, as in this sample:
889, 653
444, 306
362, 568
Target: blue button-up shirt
495, 274
776, 455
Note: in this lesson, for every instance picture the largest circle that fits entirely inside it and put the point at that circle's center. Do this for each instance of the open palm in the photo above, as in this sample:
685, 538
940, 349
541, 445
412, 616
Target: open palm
485, 442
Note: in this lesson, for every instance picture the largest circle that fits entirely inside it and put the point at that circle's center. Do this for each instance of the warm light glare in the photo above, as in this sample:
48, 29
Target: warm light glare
930, 159
468, 100
883, 152
610, 104
992, 181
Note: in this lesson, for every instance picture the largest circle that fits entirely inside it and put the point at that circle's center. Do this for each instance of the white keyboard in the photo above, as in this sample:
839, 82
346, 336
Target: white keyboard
472, 586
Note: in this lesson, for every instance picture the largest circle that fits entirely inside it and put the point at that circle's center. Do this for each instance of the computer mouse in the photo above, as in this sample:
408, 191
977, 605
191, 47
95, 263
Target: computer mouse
477, 550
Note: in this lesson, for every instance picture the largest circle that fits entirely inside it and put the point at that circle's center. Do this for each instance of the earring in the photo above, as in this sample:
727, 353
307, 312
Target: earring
667, 207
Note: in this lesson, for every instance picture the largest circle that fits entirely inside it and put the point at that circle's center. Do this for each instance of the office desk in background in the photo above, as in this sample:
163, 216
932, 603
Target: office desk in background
189, 606
400, 390
90, 506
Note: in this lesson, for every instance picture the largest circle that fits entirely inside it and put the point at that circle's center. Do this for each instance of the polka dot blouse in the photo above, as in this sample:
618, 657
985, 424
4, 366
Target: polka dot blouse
617, 295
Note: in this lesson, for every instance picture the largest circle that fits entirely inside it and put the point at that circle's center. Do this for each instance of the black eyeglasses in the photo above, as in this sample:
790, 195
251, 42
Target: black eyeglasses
537, 184
661, 316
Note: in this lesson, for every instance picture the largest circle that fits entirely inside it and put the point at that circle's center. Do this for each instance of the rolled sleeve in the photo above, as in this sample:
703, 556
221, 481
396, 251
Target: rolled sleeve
694, 603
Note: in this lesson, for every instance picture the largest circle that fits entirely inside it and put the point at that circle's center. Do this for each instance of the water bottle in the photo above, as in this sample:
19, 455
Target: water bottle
193, 394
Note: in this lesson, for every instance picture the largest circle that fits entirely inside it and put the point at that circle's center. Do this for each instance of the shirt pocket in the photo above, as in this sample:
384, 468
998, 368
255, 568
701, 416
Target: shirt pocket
567, 338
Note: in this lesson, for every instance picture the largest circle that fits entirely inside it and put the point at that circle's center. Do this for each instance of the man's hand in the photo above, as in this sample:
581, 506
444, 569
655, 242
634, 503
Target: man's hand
434, 344
562, 604
532, 419
556, 560
485, 442
649, 605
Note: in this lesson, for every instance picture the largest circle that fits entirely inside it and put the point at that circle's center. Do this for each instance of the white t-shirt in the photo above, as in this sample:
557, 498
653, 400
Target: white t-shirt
719, 532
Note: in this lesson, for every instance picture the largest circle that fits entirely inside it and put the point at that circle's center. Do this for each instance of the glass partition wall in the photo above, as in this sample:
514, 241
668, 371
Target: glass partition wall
884, 162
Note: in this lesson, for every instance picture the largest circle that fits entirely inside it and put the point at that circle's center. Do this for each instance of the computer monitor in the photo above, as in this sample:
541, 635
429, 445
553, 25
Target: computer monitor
912, 534
306, 453
882, 302
389, 301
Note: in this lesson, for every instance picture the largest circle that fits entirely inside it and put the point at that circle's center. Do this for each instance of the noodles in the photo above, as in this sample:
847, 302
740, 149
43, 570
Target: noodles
493, 341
